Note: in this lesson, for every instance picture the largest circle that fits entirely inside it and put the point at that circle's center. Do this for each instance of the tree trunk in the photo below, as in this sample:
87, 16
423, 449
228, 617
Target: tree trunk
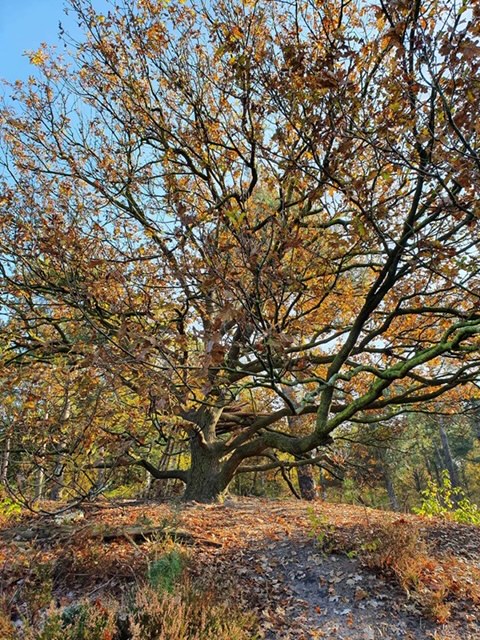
323, 486
147, 485
475, 418
437, 465
384, 464
57, 483
306, 482
417, 480
40, 483
100, 480
305, 474
207, 480
392, 496
58, 472
447, 456
5, 460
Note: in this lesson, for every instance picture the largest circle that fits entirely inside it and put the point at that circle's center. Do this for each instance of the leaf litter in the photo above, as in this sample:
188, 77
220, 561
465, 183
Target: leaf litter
269, 553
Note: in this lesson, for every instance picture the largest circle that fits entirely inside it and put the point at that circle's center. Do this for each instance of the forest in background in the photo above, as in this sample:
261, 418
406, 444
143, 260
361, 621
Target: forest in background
387, 466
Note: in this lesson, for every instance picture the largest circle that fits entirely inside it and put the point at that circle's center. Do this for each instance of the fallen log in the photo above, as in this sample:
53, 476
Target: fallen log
139, 535
134, 534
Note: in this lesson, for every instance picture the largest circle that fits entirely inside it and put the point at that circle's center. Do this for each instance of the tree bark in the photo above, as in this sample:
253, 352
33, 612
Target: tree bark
40, 483
57, 475
5, 460
57, 479
207, 478
447, 456
323, 486
387, 478
306, 482
417, 480
392, 496
437, 465
305, 474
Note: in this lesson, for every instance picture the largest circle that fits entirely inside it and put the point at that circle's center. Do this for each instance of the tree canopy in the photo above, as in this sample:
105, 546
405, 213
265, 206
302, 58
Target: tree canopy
221, 215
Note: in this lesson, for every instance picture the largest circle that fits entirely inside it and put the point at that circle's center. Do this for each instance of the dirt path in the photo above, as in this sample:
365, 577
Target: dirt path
305, 594
333, 596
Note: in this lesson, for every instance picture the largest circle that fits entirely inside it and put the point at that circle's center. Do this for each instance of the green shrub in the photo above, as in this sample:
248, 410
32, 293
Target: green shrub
322, 531
443, 500
467, 512
164, 572
9, 508
124, 491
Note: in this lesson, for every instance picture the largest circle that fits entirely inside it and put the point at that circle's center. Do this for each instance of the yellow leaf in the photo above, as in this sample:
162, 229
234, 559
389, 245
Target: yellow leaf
38, 57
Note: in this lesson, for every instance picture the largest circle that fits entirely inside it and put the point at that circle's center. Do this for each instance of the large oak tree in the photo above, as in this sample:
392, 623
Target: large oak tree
243, 211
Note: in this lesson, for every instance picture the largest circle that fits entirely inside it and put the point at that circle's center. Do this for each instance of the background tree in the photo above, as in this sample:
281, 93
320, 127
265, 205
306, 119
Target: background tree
209, 204
390, 465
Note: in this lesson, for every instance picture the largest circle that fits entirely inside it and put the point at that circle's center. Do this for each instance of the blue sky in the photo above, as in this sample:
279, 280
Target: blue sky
24, 24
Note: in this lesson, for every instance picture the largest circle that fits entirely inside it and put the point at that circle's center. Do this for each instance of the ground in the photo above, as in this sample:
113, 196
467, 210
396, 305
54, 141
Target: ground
307, 570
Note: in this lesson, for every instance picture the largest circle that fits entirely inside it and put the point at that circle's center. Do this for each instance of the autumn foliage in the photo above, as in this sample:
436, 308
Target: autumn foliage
216, 216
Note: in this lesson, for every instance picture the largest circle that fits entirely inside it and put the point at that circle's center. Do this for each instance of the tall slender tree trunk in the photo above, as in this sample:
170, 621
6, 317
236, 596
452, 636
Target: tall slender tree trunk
254, 490
417, 480
164, 464
322, 483
447, 456
387, 478
147, 485
6, 460
100, 479
392, 496
58, 472
40, 481
475, 418
56, 481
437, 464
